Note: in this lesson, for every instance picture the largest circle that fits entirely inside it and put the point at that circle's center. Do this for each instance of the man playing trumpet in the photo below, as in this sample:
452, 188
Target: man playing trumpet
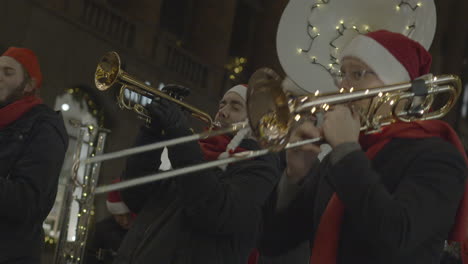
387, 197
210, 216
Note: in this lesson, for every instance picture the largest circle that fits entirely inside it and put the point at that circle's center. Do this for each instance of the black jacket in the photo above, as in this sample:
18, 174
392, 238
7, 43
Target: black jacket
31, 156
205, 217
107, 237
399, 207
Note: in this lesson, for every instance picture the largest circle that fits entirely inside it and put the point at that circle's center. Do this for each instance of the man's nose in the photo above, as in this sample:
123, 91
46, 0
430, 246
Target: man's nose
223, 113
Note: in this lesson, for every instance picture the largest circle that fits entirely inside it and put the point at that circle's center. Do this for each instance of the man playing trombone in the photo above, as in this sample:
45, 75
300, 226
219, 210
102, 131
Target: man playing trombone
209, 216
386, 197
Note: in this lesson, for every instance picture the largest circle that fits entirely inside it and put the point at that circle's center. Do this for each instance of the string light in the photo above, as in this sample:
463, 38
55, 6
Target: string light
313, 33
297, 117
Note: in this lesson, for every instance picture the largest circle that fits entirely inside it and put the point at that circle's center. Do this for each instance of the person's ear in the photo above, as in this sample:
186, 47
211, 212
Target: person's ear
30, 86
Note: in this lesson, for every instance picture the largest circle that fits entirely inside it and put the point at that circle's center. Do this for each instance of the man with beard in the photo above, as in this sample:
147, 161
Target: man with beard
210, 216
33, 142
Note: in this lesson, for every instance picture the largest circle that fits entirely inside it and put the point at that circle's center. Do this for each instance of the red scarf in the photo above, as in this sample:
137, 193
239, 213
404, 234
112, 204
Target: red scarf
326, 241
212, 147
15, 110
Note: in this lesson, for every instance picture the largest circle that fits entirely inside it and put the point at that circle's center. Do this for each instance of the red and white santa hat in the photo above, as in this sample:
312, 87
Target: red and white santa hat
240, 89
114, 203
394, 57
28, 59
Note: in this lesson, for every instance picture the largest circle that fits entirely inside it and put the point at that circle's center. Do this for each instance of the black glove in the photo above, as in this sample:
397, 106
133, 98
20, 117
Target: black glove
168, 119
176, 91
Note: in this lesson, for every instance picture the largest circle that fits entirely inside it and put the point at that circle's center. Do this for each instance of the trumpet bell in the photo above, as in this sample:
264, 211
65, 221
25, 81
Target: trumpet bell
108, 71
268, 109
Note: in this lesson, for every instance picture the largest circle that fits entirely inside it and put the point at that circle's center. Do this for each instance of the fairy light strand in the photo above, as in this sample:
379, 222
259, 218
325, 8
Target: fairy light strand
313, 34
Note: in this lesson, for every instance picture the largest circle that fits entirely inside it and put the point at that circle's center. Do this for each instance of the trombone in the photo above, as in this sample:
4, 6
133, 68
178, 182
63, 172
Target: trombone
273, 113
109, 72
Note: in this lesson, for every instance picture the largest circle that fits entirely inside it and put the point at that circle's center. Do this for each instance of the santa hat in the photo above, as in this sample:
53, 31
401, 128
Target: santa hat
114, 203
394, 57
28, 59
240, 89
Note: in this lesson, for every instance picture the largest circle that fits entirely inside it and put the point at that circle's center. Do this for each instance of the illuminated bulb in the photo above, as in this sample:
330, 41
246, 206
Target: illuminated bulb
380, 94
314, 28
304, 99
337, 27
435, 78
341, 90
351, 90
313, 110
341, 22
407, 27
354, 27
84, 210
297, 117
331, 65
65, 107
318, 5
236, 70
85, 194
242, 60
392, 102
316, 92
299, 51
398, 8
419, 4
232, 77
327, 107
318, 34
366, 92
312, 57
367, 28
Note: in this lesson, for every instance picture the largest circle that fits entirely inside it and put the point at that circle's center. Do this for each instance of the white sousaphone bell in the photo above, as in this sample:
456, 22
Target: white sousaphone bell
312, 33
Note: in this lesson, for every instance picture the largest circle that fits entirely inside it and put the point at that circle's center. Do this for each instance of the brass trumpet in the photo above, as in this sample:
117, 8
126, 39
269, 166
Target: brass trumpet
109, 72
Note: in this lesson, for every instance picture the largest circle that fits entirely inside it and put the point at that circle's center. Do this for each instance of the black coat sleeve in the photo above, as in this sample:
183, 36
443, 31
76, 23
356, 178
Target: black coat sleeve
141, 165
286, 229
423, 204
29, 194
228, 203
